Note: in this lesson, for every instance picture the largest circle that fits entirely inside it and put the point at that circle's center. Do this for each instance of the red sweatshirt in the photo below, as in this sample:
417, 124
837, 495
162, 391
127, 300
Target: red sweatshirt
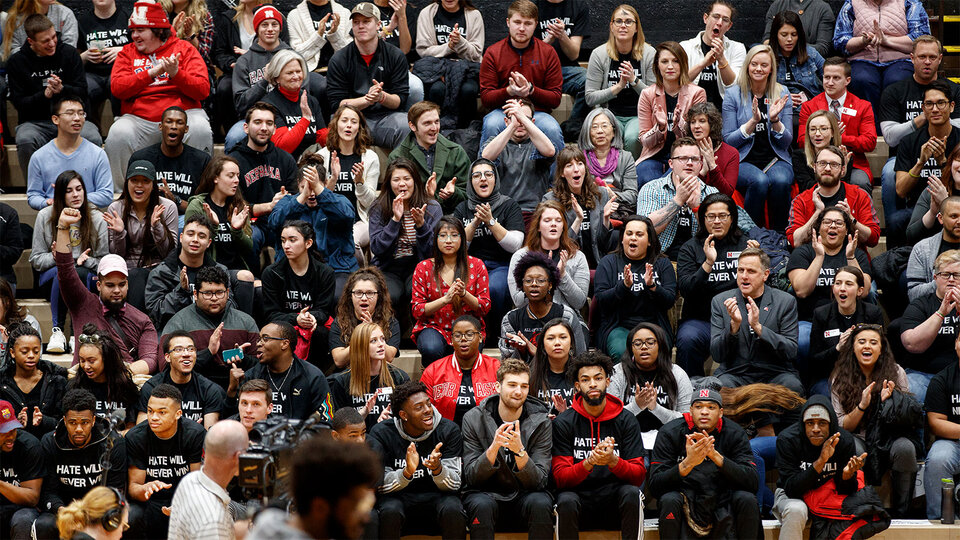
861, 205
146, 96
540, 65
576, 433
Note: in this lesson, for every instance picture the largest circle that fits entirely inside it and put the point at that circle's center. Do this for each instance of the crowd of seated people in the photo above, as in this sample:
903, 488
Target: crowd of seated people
548, 278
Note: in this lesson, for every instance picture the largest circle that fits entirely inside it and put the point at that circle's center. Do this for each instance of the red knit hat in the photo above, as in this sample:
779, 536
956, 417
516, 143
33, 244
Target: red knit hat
148, 14
266, 12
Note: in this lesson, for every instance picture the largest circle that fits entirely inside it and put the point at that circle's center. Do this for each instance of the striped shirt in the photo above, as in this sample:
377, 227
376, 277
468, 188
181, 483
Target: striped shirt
200, 510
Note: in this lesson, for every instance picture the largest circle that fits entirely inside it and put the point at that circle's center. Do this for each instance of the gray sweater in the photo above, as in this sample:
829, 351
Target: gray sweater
41, 256
920, 266
597, 93
618, 388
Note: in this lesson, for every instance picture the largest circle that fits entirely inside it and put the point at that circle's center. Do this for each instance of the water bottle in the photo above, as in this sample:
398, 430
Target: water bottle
946, 502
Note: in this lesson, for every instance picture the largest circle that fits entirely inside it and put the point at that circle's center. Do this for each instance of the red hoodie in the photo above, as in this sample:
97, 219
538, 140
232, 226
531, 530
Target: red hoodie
146, 96
576, 432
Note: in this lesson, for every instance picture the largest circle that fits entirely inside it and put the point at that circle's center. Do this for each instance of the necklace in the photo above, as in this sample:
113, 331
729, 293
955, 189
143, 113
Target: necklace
284, 381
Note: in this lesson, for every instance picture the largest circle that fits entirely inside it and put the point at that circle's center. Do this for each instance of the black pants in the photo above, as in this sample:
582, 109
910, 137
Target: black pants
466, 100
146, 521
533, 509
599, 509
16, 521
421, 513
743, 506
46, 525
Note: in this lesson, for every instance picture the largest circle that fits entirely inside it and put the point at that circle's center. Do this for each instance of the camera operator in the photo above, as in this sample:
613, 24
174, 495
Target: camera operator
160, 452
200, 504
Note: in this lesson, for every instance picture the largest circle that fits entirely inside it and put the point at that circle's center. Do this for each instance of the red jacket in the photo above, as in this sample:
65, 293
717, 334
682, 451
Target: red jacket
443, 379
860, 204
147, 97
859, 137
539, 63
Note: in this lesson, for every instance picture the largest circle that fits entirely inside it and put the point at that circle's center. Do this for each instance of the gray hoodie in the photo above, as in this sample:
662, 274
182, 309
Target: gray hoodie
249, 86
390, 441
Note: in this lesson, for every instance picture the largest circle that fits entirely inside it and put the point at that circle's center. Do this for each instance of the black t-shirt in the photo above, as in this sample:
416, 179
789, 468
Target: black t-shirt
685, 219
708, 80
529, 326
297, 293
200, 395
290, 115
227, 254
484, 245
345, 185
181, 173
340, 393
840, 195
167, 460
393, 38
444, 21
947, 246
575, 17
105, 407
625, 102
586, 235
317, 13
335, 341
557, 383
23, 463
722, 276
671, 104
943, 394
902, 101
908, 152
102, 33
761, 153
466, 399
941, 352
802, 257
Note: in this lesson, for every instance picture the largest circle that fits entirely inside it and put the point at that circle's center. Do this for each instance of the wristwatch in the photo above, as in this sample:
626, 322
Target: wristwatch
521, 453
493, 221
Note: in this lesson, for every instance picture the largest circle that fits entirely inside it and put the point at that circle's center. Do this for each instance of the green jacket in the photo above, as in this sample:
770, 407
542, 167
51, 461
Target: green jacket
450, 161
242, 238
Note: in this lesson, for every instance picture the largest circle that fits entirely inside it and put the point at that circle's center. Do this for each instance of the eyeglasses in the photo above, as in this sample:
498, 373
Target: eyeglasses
181, 349
468, 336
269, 338
364, 294
531, 281
949, 275
717, 217
645, 343
210, 295
829, 165
834, 222
823, 129
449, 236
942, 104
603, 126
78, 114
718, 17
483, 174
624, 22
89, 339
687, 159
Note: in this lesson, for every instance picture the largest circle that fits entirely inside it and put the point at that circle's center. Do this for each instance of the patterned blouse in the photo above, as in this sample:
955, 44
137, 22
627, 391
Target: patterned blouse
425, 290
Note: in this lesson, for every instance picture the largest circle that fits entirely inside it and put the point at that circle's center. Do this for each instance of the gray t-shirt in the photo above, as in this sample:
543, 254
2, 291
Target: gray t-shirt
524, 173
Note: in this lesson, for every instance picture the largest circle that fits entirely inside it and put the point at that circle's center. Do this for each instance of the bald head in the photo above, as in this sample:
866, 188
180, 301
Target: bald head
225, 438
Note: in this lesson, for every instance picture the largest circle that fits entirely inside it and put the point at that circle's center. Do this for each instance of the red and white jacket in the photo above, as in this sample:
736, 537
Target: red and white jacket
146, 96
443, 379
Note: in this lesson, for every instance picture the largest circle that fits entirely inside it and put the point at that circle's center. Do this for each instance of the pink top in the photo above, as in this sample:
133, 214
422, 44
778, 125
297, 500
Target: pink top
425, 290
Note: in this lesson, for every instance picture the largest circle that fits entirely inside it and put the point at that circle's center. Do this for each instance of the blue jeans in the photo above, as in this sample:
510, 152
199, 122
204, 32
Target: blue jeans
765, 452
803, 344
493, 124
896, 214
943, 461
650, 169
414, 91
693, 346
432, 346
500, 302
574, 81
770, 189
868, 80
234, 135
918, 381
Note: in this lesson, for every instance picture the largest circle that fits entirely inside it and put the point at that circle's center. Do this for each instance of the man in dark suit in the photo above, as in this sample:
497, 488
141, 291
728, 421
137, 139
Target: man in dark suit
753, 329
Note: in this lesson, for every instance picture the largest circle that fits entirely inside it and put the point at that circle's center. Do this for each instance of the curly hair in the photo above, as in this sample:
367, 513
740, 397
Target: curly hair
536, 258
588, 359
402, 393
119, 380
561, 188
847, 380
714, 120
382, 312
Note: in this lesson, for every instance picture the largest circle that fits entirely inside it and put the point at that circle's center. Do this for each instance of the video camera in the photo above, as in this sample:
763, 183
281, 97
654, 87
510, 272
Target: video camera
265, 465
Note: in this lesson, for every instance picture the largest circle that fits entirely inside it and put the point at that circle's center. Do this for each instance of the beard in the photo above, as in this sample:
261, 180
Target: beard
828, 181
113, 306
594, 402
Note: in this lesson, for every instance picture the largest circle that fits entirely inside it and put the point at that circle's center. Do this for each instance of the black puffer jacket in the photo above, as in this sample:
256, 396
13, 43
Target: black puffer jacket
899, 416
52, 387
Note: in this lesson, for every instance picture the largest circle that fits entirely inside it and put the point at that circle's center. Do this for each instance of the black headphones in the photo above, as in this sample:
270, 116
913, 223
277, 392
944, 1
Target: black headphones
113, 518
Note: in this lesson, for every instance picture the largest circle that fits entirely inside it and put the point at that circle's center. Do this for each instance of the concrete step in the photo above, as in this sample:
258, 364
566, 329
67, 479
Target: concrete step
24, 272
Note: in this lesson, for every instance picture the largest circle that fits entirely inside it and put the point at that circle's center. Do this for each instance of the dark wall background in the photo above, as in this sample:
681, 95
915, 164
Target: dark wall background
661, 19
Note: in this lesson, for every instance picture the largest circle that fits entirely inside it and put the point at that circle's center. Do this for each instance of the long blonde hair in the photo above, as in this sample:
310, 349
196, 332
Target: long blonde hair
773, 89
638, 39
17, 13
808, 149
360, 361
195, 8
239, 10
90, 509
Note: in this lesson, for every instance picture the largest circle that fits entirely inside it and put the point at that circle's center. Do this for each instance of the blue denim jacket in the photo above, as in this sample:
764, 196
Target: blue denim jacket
807, 76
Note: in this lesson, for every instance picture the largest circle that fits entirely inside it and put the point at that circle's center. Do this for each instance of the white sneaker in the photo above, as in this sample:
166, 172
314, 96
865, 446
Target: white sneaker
58, 342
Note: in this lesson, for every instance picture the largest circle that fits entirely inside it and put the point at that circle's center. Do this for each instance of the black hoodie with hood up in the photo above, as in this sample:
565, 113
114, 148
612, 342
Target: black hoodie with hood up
72, 471
505, 210
796, 454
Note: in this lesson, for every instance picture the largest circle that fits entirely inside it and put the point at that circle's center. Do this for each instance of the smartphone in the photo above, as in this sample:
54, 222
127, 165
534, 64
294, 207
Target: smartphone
232, 355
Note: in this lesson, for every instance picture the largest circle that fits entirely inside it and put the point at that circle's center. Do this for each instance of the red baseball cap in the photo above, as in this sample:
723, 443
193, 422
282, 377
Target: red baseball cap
8, 418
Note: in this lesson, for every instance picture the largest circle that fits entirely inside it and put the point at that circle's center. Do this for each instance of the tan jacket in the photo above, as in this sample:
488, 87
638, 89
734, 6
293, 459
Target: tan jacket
469, 48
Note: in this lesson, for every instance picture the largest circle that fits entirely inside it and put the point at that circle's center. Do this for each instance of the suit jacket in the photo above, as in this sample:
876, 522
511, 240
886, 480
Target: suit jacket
860, 135
737, 109
650, 135
767, 355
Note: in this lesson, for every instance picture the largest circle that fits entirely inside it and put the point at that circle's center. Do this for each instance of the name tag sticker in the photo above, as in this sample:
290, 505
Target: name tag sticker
832, 333
733, 254
848, 111
766, 101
